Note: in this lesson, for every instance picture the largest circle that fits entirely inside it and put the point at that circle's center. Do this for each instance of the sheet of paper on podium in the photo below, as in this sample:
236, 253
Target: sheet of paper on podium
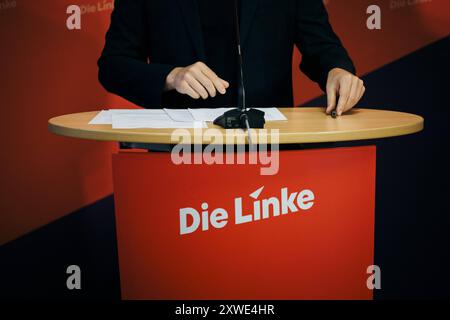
168, 118
105, 116
146, 118
182, 115
273, 114
137, 121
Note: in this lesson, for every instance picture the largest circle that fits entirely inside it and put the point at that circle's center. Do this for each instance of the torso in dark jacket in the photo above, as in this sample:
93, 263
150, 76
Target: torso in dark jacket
148, 38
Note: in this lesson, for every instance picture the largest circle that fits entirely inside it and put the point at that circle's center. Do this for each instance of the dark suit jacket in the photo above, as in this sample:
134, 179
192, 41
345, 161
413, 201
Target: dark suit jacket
148, 38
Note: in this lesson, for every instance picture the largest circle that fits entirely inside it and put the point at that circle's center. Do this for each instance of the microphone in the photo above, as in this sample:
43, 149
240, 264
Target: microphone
241, 117
241, 91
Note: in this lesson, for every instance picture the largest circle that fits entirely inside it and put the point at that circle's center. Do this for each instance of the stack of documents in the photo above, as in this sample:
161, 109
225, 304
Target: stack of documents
168, 118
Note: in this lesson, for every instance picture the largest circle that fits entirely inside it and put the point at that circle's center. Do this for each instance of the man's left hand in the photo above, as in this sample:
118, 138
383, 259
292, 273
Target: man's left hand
348, 87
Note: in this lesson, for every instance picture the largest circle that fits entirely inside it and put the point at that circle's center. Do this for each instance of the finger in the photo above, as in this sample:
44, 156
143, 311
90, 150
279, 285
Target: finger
353, 97
225, 83
331, 98
218, 83
185, 88
362, 90
205, 82
197, 86
344, 92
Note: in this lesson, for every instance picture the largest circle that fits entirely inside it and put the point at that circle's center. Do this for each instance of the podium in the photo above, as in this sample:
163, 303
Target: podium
224, 230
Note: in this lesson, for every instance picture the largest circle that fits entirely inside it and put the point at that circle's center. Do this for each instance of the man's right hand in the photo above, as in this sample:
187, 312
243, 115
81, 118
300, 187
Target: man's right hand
196, 80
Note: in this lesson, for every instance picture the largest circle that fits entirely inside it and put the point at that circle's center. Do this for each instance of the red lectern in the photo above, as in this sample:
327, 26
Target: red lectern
224, 231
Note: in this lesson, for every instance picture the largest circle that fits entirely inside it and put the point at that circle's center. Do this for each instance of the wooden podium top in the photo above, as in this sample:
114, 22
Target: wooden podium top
304, 125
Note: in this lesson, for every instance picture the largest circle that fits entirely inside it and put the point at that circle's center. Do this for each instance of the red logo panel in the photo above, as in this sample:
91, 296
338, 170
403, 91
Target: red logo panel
227, 232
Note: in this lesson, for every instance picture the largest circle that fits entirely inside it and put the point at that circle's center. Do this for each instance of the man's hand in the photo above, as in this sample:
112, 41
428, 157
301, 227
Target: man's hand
347, 87
196, 80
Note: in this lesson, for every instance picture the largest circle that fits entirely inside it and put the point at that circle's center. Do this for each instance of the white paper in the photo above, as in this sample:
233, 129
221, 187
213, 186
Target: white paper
105, 116
205, 114
141, 121
272, 114
182, 115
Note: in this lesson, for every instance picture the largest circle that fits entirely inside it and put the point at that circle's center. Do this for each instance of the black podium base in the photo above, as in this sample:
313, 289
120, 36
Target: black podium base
237, 118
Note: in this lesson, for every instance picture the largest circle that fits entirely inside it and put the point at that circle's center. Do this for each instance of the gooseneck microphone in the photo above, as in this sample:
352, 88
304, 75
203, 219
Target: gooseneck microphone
241, 117
241, 90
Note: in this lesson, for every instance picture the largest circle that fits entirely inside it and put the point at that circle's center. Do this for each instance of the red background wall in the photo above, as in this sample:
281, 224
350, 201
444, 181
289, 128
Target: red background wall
48, 70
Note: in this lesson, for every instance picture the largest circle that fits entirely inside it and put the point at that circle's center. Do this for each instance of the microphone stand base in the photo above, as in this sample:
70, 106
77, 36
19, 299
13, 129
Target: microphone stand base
235, 119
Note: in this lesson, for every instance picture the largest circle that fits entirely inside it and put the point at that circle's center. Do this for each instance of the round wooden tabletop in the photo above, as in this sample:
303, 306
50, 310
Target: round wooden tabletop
304, 125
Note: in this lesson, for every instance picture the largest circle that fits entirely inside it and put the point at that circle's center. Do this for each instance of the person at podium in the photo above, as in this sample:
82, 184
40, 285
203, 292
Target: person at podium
184, 53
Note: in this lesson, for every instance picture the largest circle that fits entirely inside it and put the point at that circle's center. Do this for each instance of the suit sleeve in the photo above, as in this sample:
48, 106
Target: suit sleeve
320, 47
123, 66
